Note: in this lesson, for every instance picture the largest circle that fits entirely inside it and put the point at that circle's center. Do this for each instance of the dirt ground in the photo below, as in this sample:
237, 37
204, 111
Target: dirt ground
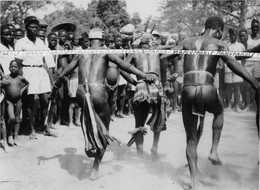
61, 164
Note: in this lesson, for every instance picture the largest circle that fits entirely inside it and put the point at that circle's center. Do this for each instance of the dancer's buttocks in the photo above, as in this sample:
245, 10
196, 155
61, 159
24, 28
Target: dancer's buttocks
200, 92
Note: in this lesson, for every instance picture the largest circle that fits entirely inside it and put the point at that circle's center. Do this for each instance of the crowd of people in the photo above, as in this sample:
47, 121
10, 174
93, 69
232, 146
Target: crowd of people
91, 90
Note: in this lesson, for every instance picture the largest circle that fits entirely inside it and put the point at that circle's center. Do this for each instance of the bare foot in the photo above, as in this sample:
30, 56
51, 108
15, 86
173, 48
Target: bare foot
16, 143
155, 155
10, 141
187, 187
95, 175
6, 147
214, 159
48, 132
33, 136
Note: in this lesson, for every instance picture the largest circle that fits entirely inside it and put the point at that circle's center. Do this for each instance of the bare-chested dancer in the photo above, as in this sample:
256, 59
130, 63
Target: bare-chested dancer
148, 96
199, 94
94, 69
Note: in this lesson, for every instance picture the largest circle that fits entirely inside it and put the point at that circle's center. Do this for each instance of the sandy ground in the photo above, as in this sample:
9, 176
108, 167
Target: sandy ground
60, 163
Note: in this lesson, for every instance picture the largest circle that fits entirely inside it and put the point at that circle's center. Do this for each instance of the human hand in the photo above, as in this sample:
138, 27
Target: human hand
173, 77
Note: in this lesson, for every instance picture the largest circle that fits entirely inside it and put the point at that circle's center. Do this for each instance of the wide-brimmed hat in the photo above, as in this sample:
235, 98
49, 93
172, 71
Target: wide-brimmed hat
69, 27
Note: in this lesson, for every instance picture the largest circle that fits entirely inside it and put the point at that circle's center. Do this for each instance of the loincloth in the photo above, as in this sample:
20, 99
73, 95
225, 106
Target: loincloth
153, 95
198, 79
93, 129
145, 92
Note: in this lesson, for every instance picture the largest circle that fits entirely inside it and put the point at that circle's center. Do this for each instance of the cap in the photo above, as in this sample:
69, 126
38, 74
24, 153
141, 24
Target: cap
31, 19
96, 33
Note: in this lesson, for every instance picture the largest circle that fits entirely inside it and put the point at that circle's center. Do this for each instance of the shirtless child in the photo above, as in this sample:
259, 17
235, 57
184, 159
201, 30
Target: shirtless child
200, 95
14, 85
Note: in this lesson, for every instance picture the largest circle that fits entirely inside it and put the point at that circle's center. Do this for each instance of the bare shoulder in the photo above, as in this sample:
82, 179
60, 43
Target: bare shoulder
223, 46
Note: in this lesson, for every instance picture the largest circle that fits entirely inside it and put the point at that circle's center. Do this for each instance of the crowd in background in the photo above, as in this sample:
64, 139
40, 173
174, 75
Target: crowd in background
28, 104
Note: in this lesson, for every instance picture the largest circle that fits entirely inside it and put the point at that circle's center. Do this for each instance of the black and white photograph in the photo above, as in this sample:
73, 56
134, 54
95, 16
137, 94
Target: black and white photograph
129, 94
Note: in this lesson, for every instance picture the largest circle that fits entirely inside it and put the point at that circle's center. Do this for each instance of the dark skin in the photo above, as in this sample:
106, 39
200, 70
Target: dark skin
213, 104
113, 74
146, 63
6, 37
94, 68
32, 34
14, 85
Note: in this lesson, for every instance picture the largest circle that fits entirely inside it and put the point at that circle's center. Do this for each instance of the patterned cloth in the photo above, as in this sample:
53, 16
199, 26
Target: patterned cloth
153, 95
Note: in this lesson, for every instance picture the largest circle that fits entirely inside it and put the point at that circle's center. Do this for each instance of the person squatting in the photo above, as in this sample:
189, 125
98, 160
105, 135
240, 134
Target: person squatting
44, 92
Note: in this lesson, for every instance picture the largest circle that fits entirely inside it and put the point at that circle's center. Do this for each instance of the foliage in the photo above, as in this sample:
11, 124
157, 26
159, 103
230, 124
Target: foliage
14, 12
191, 15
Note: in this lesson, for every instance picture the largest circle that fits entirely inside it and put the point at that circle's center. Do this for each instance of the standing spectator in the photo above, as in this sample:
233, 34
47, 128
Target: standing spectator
18, 34
34, 72
245, 87
233, 81
41, 34
252, 64
6, 45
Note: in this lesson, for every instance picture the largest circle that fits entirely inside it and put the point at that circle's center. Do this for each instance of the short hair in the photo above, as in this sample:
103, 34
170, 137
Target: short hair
243, 30
18, 63
19, 30
3, 27
51, 34
214, 22
254, 21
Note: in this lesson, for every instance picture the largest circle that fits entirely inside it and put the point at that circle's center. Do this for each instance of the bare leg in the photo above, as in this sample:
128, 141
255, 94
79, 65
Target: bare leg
141, 112
3, 126
77, 115
99, 98
44, 105
200, 128
11, 122
217, 128
190, 123
154, 150
71, 110
17, 122
31, 111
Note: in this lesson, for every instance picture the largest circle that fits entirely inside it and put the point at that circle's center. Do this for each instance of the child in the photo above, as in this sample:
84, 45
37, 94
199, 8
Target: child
14, 85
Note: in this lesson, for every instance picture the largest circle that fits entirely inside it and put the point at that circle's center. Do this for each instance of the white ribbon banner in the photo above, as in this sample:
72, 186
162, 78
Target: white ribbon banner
117, 51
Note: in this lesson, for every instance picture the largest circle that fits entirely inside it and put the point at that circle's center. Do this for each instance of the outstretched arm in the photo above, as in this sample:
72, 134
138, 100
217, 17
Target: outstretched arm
66, 71
127, 77
178, 47
125, 66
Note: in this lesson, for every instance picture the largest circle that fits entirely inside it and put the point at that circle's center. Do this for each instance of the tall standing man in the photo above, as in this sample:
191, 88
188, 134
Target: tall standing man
34, 72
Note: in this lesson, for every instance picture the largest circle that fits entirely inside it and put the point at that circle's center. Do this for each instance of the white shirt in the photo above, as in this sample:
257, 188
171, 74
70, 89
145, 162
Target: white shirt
250, 44
5, 61
24, 44
237, 46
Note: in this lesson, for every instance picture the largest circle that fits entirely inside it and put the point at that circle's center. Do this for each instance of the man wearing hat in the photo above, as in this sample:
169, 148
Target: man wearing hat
34, 71
95, 111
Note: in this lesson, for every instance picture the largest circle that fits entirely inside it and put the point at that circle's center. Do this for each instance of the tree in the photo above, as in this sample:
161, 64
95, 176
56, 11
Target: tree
113, 13
14, 12
136, 20
69, 13
191, 15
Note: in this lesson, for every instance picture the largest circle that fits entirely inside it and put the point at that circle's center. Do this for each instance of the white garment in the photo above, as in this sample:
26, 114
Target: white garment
5, 61
38, 78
